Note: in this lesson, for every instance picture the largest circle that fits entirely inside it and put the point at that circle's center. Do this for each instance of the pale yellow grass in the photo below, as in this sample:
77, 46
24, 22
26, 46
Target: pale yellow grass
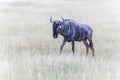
28, 51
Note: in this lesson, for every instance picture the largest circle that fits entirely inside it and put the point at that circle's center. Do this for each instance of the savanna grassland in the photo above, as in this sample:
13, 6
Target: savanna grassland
29, 52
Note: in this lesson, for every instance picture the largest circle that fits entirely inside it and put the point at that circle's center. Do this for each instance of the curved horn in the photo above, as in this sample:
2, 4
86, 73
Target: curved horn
62, 19
51, 20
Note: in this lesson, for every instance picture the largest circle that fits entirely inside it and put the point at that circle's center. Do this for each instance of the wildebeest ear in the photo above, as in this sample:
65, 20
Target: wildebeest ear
51, 20
70, 24
62, 20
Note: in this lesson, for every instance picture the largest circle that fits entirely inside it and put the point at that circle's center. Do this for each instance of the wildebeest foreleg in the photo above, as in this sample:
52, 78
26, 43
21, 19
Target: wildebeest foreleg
73, 45
61, 47
87, 46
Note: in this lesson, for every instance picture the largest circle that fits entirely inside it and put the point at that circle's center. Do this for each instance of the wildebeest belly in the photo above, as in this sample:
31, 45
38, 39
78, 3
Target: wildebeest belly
80, 39
80, 34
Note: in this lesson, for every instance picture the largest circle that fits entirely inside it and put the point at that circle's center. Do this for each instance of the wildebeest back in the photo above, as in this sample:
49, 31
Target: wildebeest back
81, 31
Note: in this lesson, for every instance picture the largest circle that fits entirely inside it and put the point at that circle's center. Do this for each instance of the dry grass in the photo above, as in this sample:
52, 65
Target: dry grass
28, 51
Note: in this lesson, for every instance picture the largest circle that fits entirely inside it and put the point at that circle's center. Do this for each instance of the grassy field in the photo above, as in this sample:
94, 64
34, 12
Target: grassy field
29, 52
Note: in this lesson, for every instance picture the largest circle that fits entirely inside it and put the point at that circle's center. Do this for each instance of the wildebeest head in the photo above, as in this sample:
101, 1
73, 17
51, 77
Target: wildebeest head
55, 25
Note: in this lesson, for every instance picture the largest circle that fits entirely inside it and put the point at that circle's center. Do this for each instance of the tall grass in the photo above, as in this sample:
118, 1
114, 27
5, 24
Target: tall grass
28, 51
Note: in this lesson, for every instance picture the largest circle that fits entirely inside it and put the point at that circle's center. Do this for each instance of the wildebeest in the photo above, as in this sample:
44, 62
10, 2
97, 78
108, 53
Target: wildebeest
73, 31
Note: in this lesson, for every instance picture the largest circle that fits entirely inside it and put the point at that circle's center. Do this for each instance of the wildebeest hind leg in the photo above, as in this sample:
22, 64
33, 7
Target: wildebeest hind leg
87, 46
91, 46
